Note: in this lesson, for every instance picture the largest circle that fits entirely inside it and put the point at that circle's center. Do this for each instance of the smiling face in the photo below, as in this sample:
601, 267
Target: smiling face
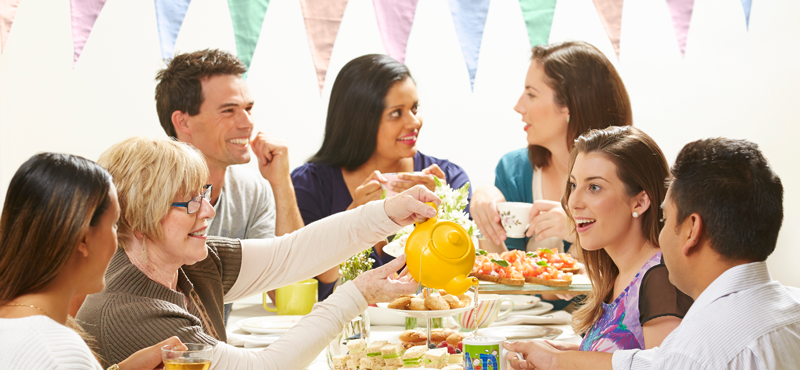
400, 122
545, 121
599, 202
185, 234
223, 127
101, 241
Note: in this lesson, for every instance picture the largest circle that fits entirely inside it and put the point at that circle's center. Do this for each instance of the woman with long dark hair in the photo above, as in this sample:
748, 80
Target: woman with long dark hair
58, 232
372, 128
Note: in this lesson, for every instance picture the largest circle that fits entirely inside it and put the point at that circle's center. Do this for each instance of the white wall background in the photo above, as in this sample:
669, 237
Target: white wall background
732, 82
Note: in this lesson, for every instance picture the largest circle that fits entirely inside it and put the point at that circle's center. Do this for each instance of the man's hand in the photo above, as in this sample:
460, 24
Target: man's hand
369, 190
409, 206
483, 208
273, 158
548, 219
381, 285
424, 178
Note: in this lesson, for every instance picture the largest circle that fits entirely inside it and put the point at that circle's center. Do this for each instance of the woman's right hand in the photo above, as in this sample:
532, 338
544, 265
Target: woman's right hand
369, 190
483, 208
381, 284
150, 357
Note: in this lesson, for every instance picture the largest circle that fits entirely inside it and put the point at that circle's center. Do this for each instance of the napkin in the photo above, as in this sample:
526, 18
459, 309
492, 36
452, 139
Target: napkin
251, 340
552, 318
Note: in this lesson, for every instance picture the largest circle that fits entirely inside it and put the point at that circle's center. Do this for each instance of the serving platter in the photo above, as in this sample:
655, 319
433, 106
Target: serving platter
428, 314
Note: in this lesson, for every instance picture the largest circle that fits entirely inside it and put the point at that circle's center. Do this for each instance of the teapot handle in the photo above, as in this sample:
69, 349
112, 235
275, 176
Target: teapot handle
434, 218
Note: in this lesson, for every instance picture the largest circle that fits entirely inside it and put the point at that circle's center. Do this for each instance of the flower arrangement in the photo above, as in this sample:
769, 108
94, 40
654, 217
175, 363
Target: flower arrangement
355, 265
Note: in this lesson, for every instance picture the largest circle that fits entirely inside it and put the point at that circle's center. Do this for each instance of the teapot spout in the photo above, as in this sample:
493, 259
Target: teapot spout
460, 284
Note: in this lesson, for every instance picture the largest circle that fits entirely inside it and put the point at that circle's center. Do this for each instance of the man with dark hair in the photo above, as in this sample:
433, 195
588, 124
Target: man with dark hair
722, 215
202, 99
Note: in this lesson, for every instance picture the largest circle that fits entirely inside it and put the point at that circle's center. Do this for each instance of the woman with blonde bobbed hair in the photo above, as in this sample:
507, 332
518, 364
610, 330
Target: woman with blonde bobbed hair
169, 278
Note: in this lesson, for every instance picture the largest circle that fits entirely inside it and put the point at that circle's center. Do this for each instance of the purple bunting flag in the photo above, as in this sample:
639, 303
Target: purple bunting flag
169, 17
84, 14
469, 18
8, 10
610, 12
395, 18
681, 17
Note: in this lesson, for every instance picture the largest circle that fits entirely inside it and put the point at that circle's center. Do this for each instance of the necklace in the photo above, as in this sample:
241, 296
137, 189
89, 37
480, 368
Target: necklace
27, 305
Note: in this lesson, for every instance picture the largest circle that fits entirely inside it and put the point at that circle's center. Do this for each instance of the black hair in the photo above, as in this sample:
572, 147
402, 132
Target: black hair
739, 198
355, 109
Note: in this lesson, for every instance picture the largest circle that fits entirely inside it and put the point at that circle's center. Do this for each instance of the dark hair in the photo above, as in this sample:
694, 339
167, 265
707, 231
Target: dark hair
354, 113
641, 166
586, 82
179, 85
731, 186
51, 202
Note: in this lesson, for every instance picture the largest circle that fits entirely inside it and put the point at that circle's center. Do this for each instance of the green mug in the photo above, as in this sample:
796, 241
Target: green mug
294, 299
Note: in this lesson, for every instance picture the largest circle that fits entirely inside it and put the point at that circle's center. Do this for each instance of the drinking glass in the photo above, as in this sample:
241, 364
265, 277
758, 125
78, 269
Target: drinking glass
196, 357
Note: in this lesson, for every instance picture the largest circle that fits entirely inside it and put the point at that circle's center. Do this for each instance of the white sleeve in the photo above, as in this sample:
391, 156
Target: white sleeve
633, 359
272, 263
299, 346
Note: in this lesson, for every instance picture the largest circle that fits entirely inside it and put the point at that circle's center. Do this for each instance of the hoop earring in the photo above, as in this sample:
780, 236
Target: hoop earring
144, 250
635, 214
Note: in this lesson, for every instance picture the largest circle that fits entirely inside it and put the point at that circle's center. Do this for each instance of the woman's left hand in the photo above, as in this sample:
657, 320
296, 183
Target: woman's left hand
419, 178
381, 284
409, 206
548, 219
150, 357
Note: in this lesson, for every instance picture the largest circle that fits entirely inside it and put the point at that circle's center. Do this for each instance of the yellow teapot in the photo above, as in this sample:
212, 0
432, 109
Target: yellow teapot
440, 254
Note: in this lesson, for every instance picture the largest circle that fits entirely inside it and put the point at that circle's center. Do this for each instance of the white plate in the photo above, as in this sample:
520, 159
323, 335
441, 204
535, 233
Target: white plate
395, 248
379, 316
521, 302
269, 324
424, 314
538, 309
521, 332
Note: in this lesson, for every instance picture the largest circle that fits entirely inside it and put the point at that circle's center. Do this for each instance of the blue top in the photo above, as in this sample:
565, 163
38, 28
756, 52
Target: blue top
321, 191
514, 177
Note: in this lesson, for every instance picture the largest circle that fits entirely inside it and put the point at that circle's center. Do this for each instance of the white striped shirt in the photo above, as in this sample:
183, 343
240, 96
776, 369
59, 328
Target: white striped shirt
743, 320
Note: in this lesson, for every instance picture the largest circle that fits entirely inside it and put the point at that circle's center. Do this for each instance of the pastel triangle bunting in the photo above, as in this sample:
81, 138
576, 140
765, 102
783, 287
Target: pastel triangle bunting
610, 12
469, 18
169, 17
681, 11
248, 17
538, 15
8, 10
322, 19
395, 18
746, 4
84, 13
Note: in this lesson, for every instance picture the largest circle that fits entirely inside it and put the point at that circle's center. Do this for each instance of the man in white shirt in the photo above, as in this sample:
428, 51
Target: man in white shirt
723, 212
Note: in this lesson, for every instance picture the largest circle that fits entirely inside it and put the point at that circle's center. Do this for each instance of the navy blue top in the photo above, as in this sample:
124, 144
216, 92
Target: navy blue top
321, 192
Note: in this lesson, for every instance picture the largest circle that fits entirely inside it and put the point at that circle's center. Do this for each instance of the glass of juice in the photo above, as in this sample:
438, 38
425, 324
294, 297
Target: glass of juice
195, 357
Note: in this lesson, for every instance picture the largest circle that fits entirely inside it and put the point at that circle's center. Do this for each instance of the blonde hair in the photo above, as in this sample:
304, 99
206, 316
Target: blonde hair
149, 175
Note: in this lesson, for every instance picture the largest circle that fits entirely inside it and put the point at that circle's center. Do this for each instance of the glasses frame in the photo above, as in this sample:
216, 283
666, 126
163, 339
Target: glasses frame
199, 199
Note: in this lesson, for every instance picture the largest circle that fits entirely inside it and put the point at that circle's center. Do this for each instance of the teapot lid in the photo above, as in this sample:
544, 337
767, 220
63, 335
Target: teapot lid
450, 240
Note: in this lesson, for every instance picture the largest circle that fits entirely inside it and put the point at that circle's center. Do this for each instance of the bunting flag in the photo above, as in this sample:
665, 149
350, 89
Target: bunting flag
538, 15
469, 18
8, 9
611, 16
746, 4
84, 14
681, 17
322, 18
169, 17
248, 17
395, 18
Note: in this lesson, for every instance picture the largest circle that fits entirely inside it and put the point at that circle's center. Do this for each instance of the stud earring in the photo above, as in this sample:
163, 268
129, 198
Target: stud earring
635, 214
567, 119
144, 250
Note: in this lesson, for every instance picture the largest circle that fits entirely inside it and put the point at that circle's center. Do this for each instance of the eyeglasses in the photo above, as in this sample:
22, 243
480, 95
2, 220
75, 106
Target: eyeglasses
193, 205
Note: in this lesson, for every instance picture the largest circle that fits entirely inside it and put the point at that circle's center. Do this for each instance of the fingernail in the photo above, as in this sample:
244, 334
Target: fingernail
431, 212
394, 183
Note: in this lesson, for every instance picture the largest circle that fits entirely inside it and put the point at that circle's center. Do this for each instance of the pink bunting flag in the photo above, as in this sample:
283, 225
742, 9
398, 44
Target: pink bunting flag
8, 9
395, 18
610, 12
84, 14
322, 18
681, 17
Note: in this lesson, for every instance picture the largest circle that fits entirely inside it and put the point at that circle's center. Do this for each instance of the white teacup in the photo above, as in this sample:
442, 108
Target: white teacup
515, 217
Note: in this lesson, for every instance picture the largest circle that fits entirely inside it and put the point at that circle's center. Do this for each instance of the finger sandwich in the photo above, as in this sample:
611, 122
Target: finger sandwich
357, 350
413, 356
393, 354
374, 357
340, 362
436, 358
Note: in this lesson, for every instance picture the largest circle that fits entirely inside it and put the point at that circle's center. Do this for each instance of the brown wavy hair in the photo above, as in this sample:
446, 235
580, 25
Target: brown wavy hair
641, 166
584, 81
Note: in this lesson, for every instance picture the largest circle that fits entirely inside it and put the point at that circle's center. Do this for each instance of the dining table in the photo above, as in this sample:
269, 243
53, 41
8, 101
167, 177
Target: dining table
252, 307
